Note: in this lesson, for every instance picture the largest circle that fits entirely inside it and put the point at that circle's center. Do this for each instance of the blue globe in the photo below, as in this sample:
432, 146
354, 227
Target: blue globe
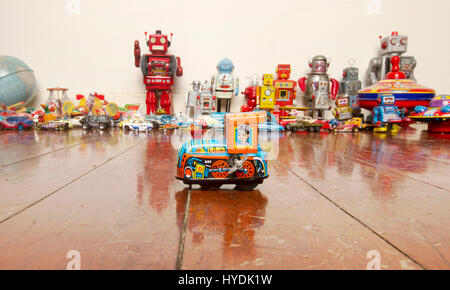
17, 81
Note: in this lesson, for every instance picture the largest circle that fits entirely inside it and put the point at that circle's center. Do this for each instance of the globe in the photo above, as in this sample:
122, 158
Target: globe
17, 81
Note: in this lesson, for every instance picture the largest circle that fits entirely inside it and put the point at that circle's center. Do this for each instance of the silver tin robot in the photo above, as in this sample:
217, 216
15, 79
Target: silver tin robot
349, 87
392, 45
224, 84
192, 99
319, 88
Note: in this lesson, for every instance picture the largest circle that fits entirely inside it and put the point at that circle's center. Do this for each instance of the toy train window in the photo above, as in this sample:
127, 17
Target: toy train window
242, 131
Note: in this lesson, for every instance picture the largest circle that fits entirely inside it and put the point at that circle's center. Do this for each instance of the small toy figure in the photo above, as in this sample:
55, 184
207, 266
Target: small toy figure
159, 69
393, 45
319, 88
224, 84
386, 115
437, 115
239, 160
251, 94
192, 98
207, 102
266, 93
342, 111
349, 87
284, 87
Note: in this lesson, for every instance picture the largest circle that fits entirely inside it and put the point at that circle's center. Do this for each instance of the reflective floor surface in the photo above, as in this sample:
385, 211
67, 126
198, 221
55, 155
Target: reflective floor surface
331, 202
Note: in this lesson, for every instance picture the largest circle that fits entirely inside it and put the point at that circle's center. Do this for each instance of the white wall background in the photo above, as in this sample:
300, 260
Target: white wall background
93, 50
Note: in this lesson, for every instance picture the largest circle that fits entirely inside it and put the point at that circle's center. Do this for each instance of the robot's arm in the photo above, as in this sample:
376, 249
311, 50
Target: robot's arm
137, 54
179, 67
334, 88
187, 98
236, 86
335, 113
376, 117
413, 66
302, 83
374, 66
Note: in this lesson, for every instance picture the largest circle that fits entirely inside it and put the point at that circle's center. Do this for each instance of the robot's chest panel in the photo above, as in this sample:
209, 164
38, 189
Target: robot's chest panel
192, 98
389, 110
353, 86
406, 63
158, 66
320, 86
225, 81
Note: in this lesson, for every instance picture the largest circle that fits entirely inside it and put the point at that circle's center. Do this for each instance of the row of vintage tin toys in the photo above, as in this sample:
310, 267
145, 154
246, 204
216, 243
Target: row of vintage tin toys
60, 113
277, 95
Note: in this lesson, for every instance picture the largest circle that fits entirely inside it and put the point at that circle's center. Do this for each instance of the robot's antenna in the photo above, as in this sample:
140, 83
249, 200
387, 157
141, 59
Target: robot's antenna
351, 62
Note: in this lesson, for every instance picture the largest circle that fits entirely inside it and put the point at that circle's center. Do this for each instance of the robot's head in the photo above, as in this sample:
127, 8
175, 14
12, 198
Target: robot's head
225, 66
206, 87
196, 85
319, 64
268, 79
158, 43
386, 99
351, 73
284, 71
394, 43
342, 102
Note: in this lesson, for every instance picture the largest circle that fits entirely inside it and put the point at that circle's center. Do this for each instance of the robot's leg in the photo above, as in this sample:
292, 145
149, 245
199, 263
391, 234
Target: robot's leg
228, 105
219, 105
151, 102
165, 101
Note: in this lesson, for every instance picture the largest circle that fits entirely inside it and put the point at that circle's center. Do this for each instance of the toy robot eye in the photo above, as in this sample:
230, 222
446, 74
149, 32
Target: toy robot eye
152, 40
404, 41
162, 40
394, 41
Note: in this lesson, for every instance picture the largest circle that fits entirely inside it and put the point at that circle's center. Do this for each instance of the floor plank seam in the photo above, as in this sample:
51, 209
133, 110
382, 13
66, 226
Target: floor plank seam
356, 219
180, 254
69, 183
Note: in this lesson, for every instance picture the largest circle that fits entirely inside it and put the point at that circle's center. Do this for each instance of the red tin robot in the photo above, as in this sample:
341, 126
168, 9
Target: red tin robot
159, 69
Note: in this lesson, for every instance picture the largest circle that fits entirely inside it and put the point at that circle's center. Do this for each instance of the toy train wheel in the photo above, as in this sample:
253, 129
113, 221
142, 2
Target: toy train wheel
317, 129
20, 126
247, 186
38, 126
2, 127
220, 164
355, 130
288, 127
294, 129
247, 170
188, 172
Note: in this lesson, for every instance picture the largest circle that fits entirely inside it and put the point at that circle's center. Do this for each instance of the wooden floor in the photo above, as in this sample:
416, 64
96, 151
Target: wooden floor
330, 200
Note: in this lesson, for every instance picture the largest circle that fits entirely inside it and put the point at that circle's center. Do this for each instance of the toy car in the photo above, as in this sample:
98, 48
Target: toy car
159, 120
304, 123
352, 125
96, 121
52, 125
16, 122
137, 125
437, 114
238, 160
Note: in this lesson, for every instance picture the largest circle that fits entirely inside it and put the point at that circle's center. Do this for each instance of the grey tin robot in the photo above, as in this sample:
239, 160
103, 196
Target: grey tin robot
393, 45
